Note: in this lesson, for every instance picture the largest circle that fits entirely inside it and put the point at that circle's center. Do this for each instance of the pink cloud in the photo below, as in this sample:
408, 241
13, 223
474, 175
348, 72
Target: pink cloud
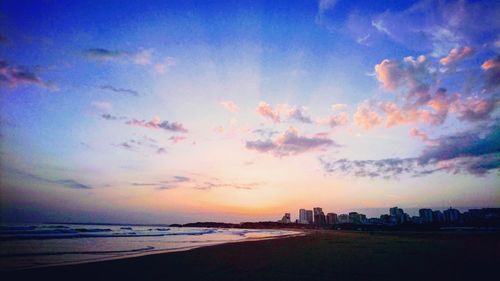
163, 67
265, 110
156, 123
365, 117
14, 76
457, 54
336, 120
231, 106
291, 143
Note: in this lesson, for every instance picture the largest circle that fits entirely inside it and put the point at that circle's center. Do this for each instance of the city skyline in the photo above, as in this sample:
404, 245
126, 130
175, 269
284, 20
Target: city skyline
174, 112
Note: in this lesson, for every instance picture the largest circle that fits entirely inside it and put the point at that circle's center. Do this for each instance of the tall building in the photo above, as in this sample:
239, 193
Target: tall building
437, 217
309, 216
286, 218
451, 216
343, 218
331, 218
425, 215
399, 215
303, 219
319, 216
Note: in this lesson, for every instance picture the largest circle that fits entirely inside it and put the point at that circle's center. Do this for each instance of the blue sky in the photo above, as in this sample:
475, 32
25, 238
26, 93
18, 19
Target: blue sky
193, 110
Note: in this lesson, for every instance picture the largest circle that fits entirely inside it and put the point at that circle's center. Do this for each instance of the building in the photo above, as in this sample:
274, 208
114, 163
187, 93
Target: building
399, 215
331, 218
425, 216
286, 218
319, 216
437, 217
343, 218
309, 216
451, 216
303, 216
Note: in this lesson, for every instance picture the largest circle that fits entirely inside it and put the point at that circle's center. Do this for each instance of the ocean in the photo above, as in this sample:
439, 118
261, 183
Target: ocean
47, 244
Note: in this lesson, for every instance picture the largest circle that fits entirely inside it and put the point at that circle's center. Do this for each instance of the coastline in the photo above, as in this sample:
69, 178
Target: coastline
128, 254
317, 255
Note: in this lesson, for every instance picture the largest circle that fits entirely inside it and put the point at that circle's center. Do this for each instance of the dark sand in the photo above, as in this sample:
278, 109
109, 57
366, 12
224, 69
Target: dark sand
321, 255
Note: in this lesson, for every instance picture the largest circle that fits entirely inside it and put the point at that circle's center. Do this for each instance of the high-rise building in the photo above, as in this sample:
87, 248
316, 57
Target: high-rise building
437, 217
303, 216
399, 215
286, 218
343, 218
319, 216
331, 218
451, 216
425, 215
309, 216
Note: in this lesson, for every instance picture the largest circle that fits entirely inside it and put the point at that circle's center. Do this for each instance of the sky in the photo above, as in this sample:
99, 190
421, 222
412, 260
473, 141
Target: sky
181, 111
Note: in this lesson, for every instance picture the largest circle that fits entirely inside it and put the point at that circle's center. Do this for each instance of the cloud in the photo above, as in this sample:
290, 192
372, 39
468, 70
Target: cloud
199, 182
112, 117
144, 142
338, 106
142, 57
120, 90
439, 26
290, 113
491, 68
298, 115
266, 111
216, 184
411, 74
13, 76
102, 105
336, 120
416, 133
415, 79
290, 143
165, 65
473, 152
365, 117
156, 123
475, 109
103, 54
323, 7
231, 106
456, 55
62, 182
173, 182
176, 139
73, 184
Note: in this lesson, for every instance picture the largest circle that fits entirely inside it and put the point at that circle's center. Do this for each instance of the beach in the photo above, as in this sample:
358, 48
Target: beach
319, 255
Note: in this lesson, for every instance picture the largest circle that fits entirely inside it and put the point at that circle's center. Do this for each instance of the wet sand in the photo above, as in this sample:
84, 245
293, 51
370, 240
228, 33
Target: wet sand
320, 255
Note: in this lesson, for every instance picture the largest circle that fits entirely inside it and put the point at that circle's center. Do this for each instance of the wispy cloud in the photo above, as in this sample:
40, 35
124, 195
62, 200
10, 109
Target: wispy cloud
144, 142
156, 123
230, 106
474, 152
70, 183
103, 54
14, 75
290, 143
120, 90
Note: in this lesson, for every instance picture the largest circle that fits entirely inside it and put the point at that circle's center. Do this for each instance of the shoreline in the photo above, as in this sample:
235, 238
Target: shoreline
317, 255
300, 232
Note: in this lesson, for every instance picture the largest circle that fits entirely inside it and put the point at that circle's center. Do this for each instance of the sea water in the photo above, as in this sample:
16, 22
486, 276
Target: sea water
35, 245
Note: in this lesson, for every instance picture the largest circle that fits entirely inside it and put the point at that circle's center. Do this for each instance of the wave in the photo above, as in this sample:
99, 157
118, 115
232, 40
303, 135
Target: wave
43, 232
147, 248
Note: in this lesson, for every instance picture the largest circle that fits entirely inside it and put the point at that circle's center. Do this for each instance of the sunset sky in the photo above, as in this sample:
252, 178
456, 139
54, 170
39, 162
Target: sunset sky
180, 111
